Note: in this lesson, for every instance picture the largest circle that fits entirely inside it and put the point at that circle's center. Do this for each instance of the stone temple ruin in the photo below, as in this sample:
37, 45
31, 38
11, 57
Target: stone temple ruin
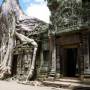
33, 49
19, 38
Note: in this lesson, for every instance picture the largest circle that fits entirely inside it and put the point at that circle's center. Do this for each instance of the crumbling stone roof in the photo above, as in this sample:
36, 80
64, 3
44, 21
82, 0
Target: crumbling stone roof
31, 25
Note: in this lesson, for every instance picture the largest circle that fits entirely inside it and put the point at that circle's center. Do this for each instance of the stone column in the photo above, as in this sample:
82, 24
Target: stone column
81, 58
52, 56
58, 61
50, 53
41, 60
86, 56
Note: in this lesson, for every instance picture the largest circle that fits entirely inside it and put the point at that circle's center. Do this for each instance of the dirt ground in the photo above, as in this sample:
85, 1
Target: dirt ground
13, 85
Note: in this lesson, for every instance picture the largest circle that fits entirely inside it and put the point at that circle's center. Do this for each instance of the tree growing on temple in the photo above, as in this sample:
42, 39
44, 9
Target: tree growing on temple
10, 13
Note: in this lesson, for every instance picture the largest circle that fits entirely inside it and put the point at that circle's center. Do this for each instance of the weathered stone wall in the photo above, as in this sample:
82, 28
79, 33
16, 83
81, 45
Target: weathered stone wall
69, 15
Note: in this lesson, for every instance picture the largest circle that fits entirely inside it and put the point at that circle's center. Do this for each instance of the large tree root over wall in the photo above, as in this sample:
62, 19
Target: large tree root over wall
27, 40
10, 13
7, 47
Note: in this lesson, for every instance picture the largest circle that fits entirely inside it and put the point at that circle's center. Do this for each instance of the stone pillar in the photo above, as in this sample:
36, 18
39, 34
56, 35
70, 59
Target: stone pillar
58, 61
41, 60
81, 58
50, 53
86, 56
52, 56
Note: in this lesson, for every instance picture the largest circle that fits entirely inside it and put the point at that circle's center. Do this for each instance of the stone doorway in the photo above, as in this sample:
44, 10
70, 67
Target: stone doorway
70, 62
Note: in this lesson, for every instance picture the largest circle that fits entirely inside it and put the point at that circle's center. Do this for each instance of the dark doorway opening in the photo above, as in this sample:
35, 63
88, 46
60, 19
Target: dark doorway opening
14, 65
70, 63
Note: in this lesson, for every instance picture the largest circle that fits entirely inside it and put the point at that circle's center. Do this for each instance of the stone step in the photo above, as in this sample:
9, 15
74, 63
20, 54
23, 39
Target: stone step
73, 80
66, 84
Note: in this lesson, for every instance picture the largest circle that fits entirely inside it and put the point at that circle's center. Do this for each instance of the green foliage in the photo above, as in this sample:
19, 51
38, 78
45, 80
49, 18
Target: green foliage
5, 1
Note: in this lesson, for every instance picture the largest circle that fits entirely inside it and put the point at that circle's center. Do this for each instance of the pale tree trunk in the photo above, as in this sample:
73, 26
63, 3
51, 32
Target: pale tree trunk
2, 49
31, 72
13, 5
11, 11
7, 49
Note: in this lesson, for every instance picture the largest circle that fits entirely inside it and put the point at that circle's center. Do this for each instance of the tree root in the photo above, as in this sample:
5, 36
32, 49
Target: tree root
5, 72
